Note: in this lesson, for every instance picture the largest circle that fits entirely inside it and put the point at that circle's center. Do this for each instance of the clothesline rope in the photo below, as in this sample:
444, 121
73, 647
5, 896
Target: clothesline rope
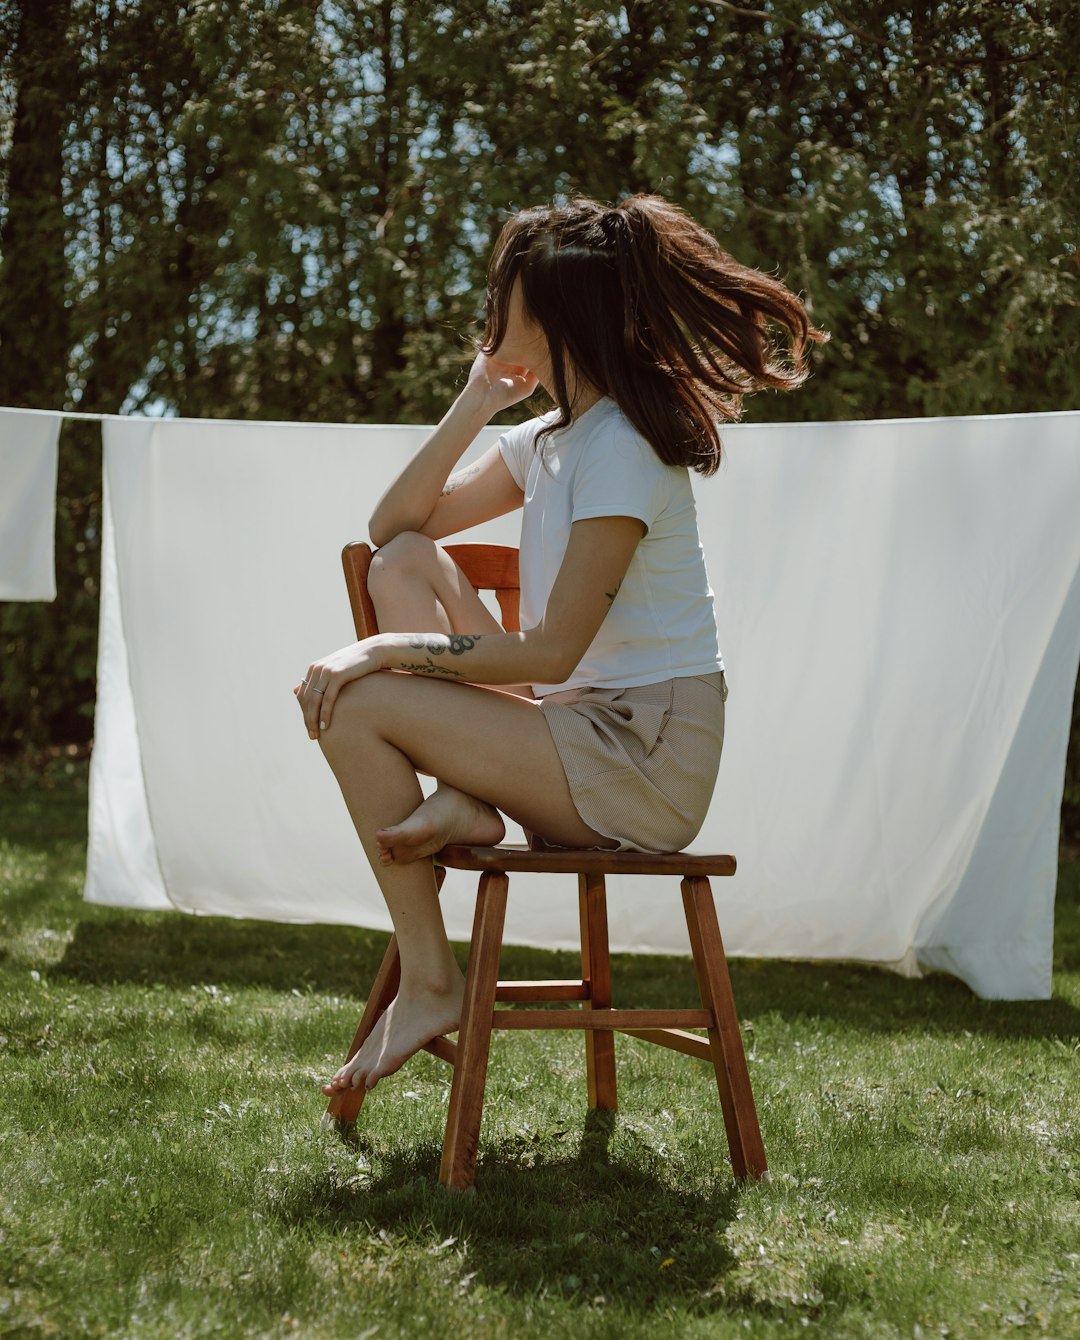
409, 427
182, 419
71, 413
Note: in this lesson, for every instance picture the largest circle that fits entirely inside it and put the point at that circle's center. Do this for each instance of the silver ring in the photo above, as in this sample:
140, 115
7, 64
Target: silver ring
315, 690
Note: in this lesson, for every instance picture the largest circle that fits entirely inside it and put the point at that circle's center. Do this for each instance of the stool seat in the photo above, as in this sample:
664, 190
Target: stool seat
510, 857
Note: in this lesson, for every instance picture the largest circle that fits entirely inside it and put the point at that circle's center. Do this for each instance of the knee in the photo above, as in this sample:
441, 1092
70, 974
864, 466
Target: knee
355, 718
408, 557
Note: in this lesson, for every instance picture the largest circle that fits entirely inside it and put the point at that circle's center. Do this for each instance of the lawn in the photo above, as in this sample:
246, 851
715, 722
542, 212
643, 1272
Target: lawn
163, 1171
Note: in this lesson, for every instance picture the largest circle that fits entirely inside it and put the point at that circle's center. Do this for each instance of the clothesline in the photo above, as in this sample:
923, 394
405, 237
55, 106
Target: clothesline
103, 417
76, 414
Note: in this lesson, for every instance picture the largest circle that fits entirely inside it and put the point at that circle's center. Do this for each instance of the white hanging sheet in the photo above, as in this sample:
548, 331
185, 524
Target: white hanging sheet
28, 462
899, 609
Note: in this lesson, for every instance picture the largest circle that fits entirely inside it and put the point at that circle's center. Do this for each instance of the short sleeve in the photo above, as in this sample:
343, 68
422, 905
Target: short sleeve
516, 449
620, 475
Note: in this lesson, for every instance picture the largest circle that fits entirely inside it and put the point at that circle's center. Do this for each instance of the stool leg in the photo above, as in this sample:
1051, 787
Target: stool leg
458, 1169
596, 970
725, 1039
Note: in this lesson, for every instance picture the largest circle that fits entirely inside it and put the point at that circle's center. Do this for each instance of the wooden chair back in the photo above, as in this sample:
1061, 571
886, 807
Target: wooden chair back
487, 567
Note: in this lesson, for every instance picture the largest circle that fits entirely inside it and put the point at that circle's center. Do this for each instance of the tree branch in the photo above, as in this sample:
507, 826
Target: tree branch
853, 30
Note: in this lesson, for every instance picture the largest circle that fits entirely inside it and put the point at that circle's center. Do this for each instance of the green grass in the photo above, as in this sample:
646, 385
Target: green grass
163, 1173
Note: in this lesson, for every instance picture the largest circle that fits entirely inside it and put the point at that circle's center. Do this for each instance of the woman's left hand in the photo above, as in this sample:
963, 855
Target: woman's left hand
317, 692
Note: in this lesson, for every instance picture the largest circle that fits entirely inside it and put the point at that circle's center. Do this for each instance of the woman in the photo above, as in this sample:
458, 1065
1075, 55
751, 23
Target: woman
601, 723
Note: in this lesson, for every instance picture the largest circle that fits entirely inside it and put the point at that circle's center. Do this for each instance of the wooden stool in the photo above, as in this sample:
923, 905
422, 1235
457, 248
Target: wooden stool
495, 568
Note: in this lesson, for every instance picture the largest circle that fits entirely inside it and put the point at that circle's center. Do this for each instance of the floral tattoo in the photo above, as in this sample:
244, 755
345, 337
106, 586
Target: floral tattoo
462, 477
429, 667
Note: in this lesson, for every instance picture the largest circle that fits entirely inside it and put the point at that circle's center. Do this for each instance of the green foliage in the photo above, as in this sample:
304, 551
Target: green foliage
164, 1174
282, 209
49, 651
34, 330
287, 211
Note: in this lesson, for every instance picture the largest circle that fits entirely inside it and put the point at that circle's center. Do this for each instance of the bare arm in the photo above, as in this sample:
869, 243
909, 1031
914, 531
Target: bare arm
481, 491
597, 557
417, 501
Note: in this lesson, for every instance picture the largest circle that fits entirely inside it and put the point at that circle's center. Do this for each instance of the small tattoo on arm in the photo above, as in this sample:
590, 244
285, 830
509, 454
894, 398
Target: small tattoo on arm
462, 477
429, 667
456, 644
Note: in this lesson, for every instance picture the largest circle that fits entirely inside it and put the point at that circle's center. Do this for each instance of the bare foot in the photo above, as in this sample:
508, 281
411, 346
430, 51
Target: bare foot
371, 1046
407, 1024
447, 816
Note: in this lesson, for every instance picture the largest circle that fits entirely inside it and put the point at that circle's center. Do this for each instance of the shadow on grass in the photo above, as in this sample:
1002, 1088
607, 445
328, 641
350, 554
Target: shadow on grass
175, 949
37, 813
588, 1226
178, 950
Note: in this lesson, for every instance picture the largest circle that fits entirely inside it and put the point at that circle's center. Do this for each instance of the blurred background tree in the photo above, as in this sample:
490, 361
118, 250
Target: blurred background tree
282, 209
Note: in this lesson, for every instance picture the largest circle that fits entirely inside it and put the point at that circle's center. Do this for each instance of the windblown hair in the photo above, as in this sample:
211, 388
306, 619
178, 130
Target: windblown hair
646, 305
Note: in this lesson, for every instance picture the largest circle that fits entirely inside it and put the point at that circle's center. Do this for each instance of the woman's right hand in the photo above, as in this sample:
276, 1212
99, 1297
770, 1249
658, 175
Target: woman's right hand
499, 384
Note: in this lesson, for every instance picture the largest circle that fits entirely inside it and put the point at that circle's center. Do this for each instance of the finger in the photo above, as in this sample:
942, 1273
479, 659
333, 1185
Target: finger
327, 701
302, 702
311, 713
301, 692
310, 700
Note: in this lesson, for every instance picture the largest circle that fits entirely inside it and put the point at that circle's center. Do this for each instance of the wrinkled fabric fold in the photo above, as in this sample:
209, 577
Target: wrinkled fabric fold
641, 762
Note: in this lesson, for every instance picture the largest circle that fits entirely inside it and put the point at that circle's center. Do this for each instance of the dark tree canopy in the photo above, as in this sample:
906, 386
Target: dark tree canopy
283, 208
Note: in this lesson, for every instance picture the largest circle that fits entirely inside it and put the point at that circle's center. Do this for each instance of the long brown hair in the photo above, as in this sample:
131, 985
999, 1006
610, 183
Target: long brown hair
646, 304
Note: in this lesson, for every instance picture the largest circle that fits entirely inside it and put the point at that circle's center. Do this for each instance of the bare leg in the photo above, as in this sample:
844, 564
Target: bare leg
415, 587
487, 745
428, 1002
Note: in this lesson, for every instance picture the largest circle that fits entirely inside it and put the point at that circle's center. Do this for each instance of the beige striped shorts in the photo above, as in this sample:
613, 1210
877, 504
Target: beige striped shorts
642, 762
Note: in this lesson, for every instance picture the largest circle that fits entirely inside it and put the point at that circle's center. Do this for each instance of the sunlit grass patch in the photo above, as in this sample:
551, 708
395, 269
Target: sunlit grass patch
164, 1172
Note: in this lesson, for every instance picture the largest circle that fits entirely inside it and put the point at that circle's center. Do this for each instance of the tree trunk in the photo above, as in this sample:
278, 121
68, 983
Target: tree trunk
33, 319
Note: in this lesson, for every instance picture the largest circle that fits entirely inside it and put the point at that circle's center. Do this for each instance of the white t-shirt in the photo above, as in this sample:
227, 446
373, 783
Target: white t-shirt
661, 624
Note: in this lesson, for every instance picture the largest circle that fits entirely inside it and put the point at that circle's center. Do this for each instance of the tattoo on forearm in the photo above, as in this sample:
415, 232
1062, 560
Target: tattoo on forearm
456, 644
612, 594
462, 477
429, 667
